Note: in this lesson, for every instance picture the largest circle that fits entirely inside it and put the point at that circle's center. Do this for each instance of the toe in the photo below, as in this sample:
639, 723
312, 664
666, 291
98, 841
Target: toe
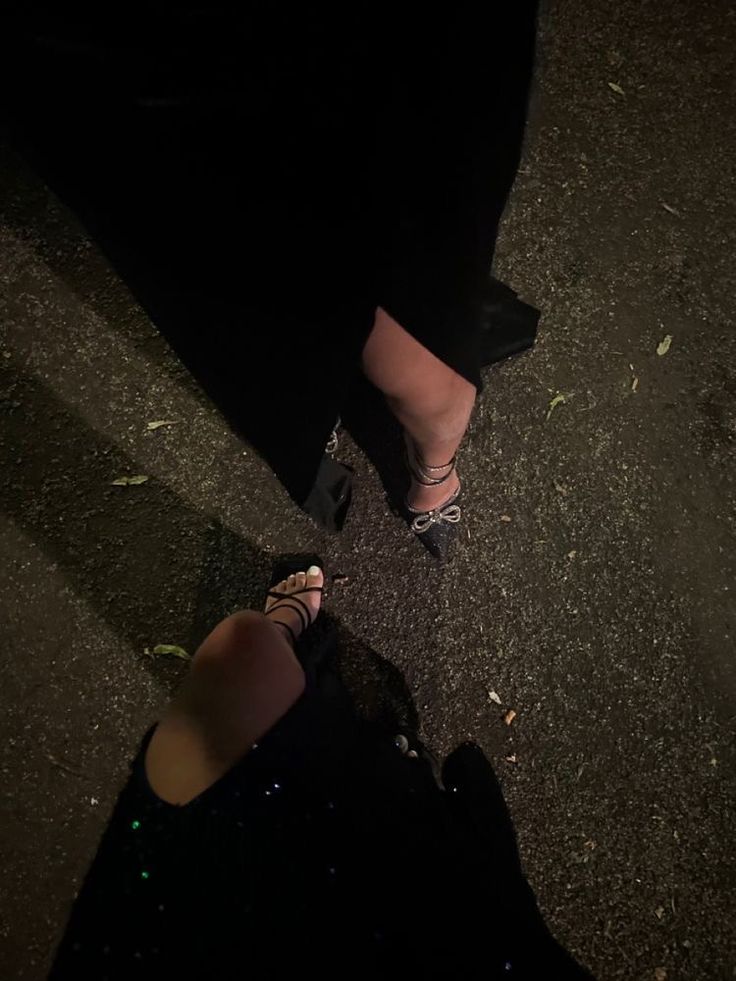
315, 577
300, 580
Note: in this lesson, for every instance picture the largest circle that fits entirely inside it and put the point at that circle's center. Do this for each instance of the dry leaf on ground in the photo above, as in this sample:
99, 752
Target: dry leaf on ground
664, 345
559, 399
172, 649
138, 478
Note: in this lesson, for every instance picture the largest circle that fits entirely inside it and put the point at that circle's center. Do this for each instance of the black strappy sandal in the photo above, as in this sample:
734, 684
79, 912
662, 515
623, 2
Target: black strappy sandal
436, 529
294, 603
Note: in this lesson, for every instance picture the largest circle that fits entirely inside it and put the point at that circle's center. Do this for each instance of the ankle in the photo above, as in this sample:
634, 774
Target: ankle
421, 499
428, 471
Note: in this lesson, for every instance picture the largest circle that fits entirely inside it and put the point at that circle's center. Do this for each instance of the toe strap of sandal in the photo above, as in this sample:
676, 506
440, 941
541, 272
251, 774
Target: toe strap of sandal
292, 601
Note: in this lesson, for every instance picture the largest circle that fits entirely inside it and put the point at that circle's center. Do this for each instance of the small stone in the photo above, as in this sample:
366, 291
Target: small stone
659, 912
509, 717
511, 759
494, 697
506, 518
340, 577
660, 974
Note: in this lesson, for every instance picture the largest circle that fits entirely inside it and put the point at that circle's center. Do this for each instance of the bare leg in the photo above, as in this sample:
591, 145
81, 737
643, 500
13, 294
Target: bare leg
431, 401
243, 679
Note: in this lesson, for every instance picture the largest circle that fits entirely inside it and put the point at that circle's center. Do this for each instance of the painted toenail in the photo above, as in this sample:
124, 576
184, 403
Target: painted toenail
313, 570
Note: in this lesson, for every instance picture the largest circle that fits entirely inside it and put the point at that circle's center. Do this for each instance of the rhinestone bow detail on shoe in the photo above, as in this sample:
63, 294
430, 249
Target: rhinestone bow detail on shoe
449, 513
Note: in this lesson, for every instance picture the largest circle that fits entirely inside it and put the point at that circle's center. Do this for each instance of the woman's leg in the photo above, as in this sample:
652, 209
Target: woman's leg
243, 679
431, 401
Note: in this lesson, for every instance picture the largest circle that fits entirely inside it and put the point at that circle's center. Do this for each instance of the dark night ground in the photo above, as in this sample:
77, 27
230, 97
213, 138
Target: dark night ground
602, 612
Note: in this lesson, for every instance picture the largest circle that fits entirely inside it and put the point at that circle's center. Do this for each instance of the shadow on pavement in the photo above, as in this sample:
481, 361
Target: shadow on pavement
126, 551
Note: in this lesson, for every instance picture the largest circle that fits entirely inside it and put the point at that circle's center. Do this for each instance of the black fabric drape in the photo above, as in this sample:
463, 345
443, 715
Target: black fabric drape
263, 179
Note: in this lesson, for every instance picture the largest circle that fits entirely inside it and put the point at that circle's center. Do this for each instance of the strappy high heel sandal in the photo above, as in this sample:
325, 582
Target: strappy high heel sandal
298, 606
438, 528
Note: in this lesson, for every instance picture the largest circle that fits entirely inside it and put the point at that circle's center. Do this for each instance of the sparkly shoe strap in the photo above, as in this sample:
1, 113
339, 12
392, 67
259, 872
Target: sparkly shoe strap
422, 472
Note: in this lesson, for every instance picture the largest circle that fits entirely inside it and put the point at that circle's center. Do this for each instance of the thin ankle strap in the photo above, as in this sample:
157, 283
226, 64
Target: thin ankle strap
292, 635
426, 466
422, 472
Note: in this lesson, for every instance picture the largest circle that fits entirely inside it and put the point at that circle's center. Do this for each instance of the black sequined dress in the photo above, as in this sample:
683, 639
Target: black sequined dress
331, 850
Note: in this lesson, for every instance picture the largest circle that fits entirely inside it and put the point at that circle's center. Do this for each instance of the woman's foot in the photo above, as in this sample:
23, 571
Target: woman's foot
295, 602
435, 521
